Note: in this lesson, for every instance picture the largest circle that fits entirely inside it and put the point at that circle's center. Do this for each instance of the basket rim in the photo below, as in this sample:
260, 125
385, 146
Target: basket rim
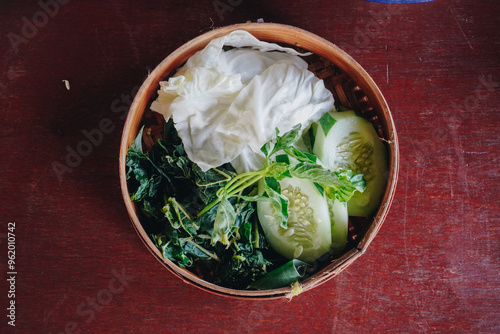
273, 32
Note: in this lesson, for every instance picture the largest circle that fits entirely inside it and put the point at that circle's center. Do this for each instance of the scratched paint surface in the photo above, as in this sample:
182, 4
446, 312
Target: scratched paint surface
433, 267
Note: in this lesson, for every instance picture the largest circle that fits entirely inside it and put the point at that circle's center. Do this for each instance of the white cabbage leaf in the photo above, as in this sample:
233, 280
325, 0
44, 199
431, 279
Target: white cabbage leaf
227, 104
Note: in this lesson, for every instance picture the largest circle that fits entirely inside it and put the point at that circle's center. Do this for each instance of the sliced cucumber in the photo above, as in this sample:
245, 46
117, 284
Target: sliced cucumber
308, 233
339, 221
351, 142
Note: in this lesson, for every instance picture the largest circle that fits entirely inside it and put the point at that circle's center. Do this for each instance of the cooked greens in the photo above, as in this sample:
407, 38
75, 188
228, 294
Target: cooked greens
170, 191
206, 220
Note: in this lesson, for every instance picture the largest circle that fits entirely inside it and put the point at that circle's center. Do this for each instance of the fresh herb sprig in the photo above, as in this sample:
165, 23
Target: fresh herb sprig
337, 185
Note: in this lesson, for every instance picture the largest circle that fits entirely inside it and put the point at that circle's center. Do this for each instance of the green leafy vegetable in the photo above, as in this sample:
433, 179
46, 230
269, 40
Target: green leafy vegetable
281, 142
278, 201
350, 183
340, 184
207, 221
224, 245
301, 156
224, 222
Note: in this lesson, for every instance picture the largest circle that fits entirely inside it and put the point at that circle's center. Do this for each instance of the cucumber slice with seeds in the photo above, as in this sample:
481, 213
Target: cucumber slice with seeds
308, 233
351, 142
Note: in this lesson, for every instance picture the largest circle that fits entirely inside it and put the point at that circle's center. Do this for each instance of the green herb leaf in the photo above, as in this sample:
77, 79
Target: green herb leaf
278, 201
339, 185
137, 144
224, 222
283, 158
315, 173
326, 122
281, 142
350, 183
301, 156
178, 217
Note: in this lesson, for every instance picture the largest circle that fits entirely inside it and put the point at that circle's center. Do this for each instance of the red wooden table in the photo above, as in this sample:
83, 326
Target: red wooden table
79, 264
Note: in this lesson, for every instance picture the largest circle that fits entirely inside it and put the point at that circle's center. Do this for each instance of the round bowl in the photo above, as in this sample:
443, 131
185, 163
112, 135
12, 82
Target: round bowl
350, 85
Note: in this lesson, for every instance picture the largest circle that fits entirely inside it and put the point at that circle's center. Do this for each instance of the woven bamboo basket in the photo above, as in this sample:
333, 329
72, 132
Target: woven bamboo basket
351, 87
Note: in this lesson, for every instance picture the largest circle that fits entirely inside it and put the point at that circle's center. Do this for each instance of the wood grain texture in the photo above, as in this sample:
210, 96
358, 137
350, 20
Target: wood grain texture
434, 265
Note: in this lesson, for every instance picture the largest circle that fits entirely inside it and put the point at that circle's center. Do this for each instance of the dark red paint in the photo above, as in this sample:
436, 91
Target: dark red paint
81, 268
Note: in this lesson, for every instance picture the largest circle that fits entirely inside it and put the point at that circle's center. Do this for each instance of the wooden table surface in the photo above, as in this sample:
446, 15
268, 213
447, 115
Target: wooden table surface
80, 266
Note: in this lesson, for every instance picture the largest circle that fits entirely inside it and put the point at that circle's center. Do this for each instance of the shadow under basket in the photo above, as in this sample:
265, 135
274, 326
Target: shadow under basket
351, 87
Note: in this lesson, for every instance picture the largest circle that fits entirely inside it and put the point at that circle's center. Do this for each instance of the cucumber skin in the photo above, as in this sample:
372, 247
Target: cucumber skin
339, 217
326, 147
